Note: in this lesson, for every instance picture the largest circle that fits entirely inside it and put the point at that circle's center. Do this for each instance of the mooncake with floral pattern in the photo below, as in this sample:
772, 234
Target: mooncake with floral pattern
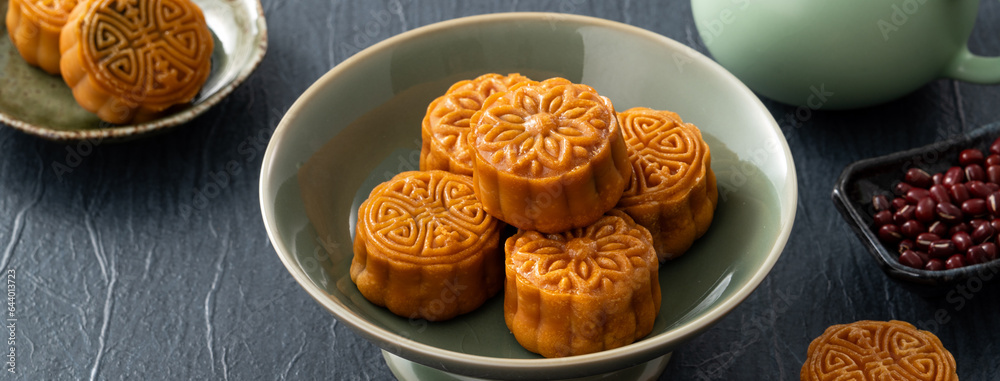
584, 290
548, 156
446, 125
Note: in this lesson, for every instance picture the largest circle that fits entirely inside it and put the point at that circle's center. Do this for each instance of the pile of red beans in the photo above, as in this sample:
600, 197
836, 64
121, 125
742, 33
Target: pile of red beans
946, 220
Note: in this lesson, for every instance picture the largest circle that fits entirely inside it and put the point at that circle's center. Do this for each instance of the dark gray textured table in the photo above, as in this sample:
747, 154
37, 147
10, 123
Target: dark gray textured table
149, 259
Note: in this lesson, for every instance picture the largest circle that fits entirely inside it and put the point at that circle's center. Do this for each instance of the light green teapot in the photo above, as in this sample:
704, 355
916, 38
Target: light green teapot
838, 54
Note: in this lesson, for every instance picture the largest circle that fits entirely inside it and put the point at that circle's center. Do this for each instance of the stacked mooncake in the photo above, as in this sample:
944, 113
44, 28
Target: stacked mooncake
599, 200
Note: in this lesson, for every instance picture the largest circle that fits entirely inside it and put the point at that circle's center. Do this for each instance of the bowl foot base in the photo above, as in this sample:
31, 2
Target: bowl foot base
406, 370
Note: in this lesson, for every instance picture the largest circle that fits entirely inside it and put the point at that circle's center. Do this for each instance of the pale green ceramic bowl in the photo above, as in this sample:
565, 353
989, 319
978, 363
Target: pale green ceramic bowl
360, 124
41, 104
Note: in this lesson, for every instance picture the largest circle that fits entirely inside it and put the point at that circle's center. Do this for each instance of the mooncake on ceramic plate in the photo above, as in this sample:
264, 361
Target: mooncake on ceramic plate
673, 191
34, 27
582, 291
446, 125
424, 247
548, 156
129, 61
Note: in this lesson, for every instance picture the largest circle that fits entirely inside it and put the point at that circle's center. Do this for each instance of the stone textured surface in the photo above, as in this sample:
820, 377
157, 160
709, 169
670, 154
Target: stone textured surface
149, 260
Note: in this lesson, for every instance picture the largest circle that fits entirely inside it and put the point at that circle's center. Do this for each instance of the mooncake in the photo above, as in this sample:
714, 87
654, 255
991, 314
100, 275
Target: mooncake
34, 27
878, 350
584, 290
548, 156
446, 124
424, 247
128, 61
673, 191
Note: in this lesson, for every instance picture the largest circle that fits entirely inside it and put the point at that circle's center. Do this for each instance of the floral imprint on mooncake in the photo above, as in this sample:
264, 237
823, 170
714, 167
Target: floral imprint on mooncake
446, 125
548, 156
584, 290
876, 351
673, 190
425, 248
584, 260
544, 130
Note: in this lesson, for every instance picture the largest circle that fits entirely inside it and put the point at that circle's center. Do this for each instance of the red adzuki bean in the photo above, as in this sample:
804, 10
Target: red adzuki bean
938, 192
993, 159
962, 241
906, 244
975, 172
934, 265
947, 212
881, 203
955, 261
995, 147
898, 202
980, 234
912, 228
977, 189
937, 227
923, 240
993, 173
914, 195
970, 156
902, 188
974, 207
925, 210
941, 248
955, 175
959, 193
918, 178
911, 259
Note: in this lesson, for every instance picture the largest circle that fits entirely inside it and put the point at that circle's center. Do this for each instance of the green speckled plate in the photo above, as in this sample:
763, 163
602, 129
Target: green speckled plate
360, 124
41, 104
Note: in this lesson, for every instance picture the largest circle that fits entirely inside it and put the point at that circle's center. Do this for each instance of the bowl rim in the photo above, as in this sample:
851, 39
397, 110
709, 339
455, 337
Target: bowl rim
639, 351
117, 132
927, 282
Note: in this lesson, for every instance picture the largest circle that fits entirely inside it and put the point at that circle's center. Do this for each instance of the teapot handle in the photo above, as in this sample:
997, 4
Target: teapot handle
974, 68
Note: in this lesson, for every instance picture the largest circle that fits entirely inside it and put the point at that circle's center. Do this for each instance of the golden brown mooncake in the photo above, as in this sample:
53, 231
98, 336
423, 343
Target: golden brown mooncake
584, 290
878, 350
34, 27
128, 61
548, 156
446, 124
424, 247
673, 191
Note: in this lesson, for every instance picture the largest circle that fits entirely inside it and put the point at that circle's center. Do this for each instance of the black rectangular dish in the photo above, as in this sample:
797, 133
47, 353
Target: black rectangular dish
861, 180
